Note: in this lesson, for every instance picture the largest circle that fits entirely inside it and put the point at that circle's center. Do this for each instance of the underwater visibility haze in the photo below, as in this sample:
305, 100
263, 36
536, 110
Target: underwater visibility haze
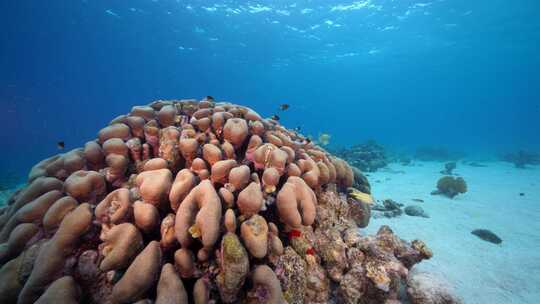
433, 104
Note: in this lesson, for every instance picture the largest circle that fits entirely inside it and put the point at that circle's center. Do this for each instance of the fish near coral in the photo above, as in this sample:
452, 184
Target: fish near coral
324, 139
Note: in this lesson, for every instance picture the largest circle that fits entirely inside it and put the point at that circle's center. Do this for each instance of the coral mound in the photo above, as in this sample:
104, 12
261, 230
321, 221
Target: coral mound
200, 202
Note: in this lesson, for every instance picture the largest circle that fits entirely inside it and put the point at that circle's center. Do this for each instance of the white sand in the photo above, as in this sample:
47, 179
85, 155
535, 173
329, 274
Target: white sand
481, 272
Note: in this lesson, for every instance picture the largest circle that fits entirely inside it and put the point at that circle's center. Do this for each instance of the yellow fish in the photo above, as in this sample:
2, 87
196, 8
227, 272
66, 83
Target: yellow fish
360, 196
324, 139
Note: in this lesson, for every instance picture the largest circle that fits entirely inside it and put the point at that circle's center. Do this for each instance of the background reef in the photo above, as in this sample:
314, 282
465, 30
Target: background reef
368, 156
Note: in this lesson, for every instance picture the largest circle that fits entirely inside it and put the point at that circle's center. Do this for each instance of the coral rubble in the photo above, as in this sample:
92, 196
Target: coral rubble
388, 208
197, 201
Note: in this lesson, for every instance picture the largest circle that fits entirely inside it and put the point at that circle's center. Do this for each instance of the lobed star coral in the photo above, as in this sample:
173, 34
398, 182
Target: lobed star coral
203, 202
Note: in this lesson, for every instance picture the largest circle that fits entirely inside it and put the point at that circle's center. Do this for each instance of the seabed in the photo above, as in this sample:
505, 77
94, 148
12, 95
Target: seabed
481, 272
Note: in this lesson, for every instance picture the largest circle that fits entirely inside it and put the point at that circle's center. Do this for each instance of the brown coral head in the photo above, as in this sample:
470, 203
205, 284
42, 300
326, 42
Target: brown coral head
115, 208
154, 186
85, 186
199, 217
235, 131
250, 200
254, 233
296, 203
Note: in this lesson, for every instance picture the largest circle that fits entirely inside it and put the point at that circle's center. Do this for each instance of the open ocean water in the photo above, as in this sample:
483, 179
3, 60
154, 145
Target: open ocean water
431, 82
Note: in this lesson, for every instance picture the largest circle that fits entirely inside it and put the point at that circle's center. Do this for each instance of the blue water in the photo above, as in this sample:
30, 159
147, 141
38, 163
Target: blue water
459, 73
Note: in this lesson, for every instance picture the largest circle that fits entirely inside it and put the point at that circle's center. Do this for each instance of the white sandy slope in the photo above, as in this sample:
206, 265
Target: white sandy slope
481, 272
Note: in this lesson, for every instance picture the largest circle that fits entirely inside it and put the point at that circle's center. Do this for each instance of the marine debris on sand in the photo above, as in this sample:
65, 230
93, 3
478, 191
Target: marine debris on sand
368, 157
203, 201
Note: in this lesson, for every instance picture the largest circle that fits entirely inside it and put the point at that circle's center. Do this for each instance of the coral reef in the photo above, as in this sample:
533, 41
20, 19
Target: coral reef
368, 156
197, 201
450, 186
522, 158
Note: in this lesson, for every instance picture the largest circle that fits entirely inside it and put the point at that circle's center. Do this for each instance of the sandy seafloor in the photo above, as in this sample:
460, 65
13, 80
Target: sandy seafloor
481, 272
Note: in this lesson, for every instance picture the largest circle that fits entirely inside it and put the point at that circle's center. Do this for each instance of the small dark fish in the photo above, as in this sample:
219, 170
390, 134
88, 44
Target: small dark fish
274, 117
418, 200
521, 194
209, 97
283, 107
487, 236
60, 145
475, 164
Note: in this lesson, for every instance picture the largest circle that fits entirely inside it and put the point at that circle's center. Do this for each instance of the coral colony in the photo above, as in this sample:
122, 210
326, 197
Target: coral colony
203, 202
